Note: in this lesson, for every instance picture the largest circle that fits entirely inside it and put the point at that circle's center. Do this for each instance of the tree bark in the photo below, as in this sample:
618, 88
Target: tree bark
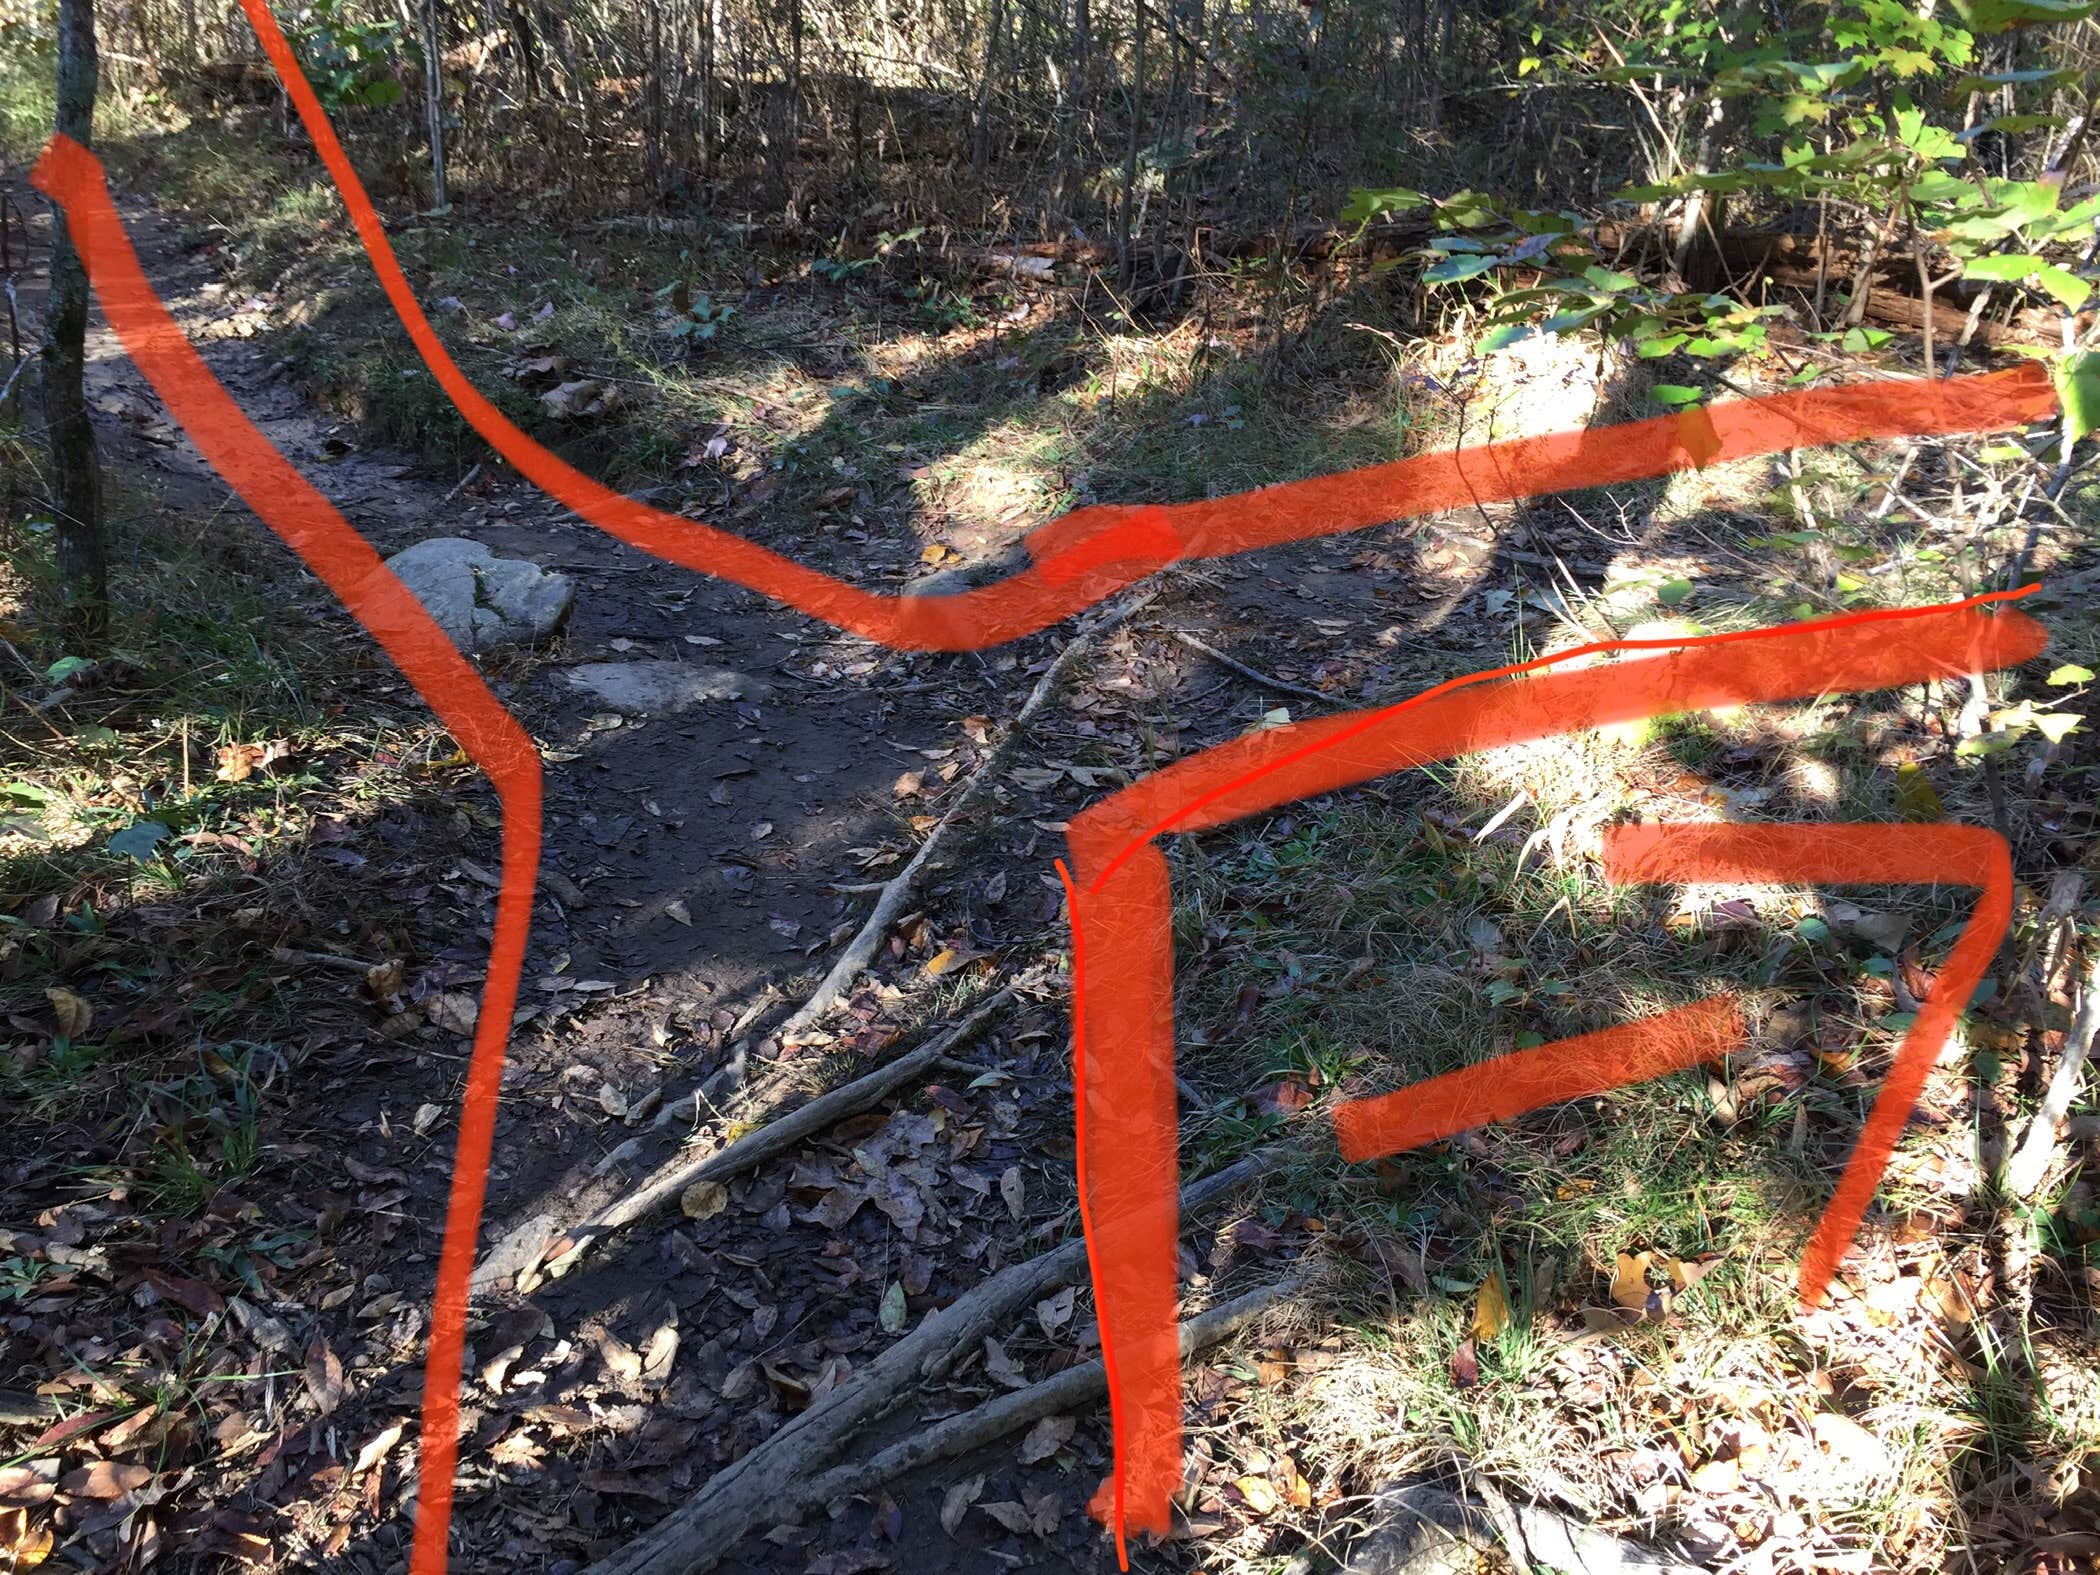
83, 547
434, 105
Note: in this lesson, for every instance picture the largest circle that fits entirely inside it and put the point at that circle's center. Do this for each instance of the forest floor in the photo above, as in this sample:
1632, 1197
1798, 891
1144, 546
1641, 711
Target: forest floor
237, 1052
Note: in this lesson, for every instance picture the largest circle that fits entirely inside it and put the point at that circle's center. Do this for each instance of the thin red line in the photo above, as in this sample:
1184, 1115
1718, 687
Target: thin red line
1372, 719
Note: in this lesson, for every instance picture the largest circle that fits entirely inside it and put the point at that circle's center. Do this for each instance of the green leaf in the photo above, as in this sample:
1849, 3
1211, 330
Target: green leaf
2077, 379
2071, 673
1674, 395
1505, 336
1453, 269
1364, 206
1661, 345
2007, 267
138, 840
1996, 16
67, 667
2069, 290
2054, 725
1673, 592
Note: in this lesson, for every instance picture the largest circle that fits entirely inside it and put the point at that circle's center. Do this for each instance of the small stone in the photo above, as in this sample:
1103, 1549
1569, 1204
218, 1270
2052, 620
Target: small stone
482, 601
660, 688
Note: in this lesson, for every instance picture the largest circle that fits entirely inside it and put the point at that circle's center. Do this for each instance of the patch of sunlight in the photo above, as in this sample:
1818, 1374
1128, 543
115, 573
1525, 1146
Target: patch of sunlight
1002, 481
1550, 384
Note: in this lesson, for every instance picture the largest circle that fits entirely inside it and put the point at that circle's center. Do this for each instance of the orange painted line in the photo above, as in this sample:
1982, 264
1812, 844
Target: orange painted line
1094, 552
1123, 1026
449, 684
1509, 1085
1880, 855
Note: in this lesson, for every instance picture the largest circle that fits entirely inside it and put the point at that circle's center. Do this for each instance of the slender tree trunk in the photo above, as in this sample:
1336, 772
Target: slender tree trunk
83, 548
434, 105
980, 140
1125, 263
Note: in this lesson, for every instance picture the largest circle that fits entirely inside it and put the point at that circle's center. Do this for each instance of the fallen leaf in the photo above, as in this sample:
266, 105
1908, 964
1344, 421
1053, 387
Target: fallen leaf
1046, 1438
940, 962
703, 1200
1260, 1494
660, 1353
75, 1015
893, 1312
676, 911
453, 1011
1491, 1312
956, 1502
376, 1451
1014, 1517
105, 1479
1013, 1191
1054, 1312
1465, 1365
426, 1117
26, 1545
1687, 1272
1717, 1476
324, 1377
620, 1358
908, 785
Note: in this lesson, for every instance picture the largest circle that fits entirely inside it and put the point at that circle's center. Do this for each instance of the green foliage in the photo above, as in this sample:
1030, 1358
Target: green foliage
351, 62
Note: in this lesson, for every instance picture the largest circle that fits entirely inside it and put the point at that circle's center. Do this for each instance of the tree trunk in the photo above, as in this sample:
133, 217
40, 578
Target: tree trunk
83, 549
434, 105
980, 140
1125, 263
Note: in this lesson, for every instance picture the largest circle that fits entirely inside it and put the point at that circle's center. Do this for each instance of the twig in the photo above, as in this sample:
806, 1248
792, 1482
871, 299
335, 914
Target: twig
667, 1181
860, 951
465, 482
2031, 1162
746, 1492
1259, 677
322, 960
1009, 1413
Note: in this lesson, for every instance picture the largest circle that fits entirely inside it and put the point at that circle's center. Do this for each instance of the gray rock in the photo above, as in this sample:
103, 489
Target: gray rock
661, 688
480, 600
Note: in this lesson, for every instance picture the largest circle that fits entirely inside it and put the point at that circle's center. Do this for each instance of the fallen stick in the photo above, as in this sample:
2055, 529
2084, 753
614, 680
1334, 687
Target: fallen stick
860, 951
1259, 677
681, 1546
1009, 1413
747, 1491
754, 1148
2031, 1162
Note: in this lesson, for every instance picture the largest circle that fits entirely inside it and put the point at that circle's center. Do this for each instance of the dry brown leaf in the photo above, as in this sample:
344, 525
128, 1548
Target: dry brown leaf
27, 1545
1054, 1312
662, 1351
1687, 1272
1260, 1494
1717, 1476
956, 1502
75, 1015
377, 1449
1465, 1365
620, 1357
1013, 1191
1014, 1517
1046, 1438
453, 1011
703, 1200
908, 785
105, 1479
940, 962
678, 913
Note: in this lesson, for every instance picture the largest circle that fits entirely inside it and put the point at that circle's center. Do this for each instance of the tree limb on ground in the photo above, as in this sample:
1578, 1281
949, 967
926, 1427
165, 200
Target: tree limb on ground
860, 951
684, 1544
746, 1493
669, 1180
1253, 674
2031, 1162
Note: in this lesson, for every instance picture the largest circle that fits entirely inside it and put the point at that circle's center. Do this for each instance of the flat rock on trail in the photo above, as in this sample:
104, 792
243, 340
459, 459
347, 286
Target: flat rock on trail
715, 767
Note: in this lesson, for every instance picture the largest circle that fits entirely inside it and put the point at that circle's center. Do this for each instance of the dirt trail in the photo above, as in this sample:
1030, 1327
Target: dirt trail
690, 865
